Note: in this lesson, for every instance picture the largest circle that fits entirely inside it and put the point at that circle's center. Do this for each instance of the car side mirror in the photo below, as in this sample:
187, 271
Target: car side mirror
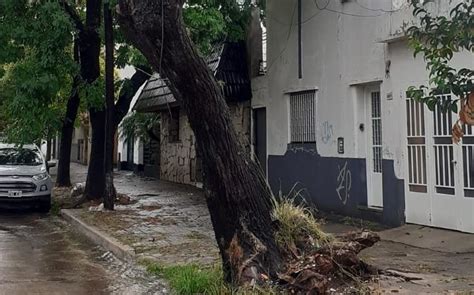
51, 164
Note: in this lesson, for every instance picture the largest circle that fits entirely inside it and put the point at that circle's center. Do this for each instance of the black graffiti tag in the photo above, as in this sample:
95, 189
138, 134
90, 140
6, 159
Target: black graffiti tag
327, 131
344, 181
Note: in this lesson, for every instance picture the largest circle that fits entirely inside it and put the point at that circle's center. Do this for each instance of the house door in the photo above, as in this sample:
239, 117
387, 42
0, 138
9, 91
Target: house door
260, 137
374, 147
130, 152
440, 188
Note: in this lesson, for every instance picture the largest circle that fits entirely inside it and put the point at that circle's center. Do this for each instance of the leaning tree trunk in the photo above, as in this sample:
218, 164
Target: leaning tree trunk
90, 71
238, 198
110, 193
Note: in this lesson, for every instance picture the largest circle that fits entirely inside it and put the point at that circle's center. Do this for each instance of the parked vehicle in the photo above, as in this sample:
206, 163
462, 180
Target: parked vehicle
24, 177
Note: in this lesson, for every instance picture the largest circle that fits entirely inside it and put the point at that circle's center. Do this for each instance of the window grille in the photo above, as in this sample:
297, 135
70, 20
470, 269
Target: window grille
376, 132
443, 148
302, 117
417, 173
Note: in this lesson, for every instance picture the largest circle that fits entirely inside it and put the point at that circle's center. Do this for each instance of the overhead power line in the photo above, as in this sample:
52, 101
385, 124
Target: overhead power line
324, 7
376, 9
287, 40
342, 12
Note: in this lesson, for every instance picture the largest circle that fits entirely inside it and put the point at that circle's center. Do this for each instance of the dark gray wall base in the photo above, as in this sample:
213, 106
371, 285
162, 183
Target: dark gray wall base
335, 184
151, 171
393, 195
126, 166
138, 169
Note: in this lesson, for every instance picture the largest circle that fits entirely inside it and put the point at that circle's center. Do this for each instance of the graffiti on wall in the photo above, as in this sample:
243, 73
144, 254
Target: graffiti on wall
344, 183
326, 132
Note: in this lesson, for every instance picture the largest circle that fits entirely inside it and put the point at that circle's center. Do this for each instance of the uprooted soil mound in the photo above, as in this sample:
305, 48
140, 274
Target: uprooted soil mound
314, 261
330, 265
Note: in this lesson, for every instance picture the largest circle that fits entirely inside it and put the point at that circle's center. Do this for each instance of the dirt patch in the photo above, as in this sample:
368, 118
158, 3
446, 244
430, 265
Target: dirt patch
63, 198
123, 199
151, 207
195, 235
111, 221
441, 273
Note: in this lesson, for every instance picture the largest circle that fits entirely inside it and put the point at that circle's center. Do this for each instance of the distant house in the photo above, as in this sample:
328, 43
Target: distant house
80, 145
80, 148
136, 154
179, 159
332, 116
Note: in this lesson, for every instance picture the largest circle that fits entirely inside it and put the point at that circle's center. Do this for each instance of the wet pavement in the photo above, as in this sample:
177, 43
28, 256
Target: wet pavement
165, 222
37, 258
170, 223
39, 255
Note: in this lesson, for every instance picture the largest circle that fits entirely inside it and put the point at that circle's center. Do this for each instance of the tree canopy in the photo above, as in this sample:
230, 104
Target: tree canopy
438, 38
36, 67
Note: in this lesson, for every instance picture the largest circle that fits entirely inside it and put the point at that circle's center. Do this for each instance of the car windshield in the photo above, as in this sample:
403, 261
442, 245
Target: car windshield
19, 156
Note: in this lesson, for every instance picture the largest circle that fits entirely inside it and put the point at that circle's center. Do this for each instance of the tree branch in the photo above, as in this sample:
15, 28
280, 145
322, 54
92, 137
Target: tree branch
152, 135
129, 88
76, 19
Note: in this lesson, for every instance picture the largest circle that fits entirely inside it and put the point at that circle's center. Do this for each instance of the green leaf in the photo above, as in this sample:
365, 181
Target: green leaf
438, 38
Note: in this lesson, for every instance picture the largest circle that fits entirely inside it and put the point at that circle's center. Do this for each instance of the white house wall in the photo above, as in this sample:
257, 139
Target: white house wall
138, 152
430, 207
336, 52
341, 56
122, 148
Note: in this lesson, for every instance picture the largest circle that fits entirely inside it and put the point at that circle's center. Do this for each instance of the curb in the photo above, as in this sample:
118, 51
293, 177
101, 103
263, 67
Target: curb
98, 237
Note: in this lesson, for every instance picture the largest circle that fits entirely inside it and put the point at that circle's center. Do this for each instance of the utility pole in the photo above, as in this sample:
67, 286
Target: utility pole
300, 65
110, 192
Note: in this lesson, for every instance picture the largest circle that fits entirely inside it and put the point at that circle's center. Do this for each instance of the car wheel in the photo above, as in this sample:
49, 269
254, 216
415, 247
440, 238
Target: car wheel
44, 206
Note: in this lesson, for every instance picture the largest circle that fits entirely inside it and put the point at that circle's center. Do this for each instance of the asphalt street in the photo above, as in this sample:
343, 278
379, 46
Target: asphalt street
38, 257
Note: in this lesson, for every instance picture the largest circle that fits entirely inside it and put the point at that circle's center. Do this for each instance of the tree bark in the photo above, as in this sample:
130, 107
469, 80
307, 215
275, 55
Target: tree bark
110, 193
48, 149
90, 71
95, 183
63, 178
89, 51
238, 198
127, 92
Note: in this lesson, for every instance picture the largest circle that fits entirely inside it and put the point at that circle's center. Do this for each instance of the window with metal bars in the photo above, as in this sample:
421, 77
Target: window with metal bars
303, 117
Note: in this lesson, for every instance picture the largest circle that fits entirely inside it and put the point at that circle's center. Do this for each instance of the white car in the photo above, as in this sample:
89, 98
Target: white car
24, 177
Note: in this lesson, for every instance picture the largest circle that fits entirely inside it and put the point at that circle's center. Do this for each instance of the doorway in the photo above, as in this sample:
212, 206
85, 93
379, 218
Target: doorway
440, 190
374, 147
130, 152
260, 137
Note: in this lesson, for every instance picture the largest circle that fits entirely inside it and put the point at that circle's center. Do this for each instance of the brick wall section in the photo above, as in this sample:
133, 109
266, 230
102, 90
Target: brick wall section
179, 158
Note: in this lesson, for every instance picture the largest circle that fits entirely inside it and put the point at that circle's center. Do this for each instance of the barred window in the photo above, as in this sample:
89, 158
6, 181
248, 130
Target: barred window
302, 117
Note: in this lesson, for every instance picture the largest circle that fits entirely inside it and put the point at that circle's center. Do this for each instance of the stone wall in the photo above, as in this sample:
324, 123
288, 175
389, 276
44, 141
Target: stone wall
178, 159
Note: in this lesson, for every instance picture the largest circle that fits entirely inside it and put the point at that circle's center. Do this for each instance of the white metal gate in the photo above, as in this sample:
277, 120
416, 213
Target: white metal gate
440, 189
374, 145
